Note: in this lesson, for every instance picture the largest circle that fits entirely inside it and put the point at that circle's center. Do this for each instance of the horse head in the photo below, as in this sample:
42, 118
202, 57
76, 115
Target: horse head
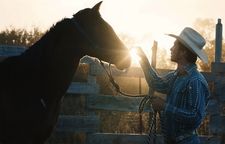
102, 41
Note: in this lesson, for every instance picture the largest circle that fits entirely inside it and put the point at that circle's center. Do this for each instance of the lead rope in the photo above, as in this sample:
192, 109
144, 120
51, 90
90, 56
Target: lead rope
118, 90
151, 137
114, 83
146, 99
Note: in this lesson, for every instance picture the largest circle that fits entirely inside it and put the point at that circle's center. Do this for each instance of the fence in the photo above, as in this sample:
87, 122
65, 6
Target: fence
94, 100
86, 123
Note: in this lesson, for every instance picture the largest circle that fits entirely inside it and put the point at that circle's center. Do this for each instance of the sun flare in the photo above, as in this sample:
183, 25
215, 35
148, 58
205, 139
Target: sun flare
135, 58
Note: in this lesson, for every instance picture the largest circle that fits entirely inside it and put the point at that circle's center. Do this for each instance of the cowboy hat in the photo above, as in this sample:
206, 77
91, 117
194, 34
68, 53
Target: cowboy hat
193, 41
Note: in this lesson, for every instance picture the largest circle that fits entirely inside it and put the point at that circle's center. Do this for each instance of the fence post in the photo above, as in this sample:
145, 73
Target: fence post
216, 104
154, 53
218, 41
151, 91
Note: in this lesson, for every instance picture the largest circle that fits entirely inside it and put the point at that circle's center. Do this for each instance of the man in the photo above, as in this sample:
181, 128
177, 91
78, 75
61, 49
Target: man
187, 90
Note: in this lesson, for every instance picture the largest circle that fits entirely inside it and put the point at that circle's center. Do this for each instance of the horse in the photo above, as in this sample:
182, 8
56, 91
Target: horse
33, 84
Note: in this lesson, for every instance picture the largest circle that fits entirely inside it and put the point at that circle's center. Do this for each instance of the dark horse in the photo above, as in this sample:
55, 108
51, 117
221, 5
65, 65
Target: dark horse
32, 84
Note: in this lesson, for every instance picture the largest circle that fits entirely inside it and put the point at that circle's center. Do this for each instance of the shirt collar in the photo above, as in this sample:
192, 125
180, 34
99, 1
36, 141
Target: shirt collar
187, 69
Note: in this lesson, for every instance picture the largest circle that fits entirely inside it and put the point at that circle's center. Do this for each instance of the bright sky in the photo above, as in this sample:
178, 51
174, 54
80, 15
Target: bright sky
138, 18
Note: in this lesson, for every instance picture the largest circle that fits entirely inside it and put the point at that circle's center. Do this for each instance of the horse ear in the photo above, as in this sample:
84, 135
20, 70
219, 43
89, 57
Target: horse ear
97, 6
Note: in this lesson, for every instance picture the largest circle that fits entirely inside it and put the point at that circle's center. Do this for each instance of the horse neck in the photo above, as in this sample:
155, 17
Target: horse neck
60, 55
67, 53
66, 45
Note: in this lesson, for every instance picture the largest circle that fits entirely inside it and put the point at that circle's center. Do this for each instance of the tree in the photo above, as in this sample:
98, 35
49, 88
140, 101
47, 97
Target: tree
19, 37
207, 28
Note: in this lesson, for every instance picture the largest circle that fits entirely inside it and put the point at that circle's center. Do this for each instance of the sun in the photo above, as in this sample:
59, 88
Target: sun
135, 58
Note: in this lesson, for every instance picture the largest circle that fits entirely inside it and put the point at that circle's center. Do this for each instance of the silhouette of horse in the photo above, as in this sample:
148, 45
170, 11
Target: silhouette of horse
32, 84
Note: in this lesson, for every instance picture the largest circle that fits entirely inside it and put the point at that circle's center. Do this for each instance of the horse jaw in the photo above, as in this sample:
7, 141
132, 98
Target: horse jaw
124, 63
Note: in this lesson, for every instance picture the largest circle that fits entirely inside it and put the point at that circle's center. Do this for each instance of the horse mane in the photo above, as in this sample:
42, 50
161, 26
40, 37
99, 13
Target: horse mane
58, 26
54, 31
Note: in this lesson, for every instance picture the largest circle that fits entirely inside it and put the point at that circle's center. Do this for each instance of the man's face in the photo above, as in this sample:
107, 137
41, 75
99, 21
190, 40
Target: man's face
176, 53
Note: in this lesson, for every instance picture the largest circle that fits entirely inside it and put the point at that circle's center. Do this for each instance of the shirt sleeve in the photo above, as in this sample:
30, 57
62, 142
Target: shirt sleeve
194, 110
158, 83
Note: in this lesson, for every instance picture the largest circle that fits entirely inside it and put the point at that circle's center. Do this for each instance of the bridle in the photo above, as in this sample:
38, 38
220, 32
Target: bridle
146, 98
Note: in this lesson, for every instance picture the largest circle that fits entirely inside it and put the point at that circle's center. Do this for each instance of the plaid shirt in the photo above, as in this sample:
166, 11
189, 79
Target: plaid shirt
187, 97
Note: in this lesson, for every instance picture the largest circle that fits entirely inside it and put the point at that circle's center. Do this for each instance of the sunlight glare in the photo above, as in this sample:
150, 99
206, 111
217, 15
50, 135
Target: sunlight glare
164, 41
134, 56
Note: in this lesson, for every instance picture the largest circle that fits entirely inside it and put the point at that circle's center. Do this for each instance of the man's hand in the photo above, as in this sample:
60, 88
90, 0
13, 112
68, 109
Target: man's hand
158, 103
144, 60
141, 54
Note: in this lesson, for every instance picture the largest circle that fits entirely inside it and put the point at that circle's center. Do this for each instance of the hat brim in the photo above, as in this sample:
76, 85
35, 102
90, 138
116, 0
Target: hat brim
200, 53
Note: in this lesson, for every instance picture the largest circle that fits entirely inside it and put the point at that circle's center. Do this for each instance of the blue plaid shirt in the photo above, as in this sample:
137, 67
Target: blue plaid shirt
187, 97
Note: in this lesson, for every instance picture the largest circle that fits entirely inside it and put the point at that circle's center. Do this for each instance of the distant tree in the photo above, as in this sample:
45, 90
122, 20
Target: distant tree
207, 28
19, 37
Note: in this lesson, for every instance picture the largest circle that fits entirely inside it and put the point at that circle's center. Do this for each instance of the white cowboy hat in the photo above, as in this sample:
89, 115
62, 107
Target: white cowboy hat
193, 41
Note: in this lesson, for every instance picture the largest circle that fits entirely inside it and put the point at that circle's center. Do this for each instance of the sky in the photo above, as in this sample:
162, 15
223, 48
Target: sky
137, 18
